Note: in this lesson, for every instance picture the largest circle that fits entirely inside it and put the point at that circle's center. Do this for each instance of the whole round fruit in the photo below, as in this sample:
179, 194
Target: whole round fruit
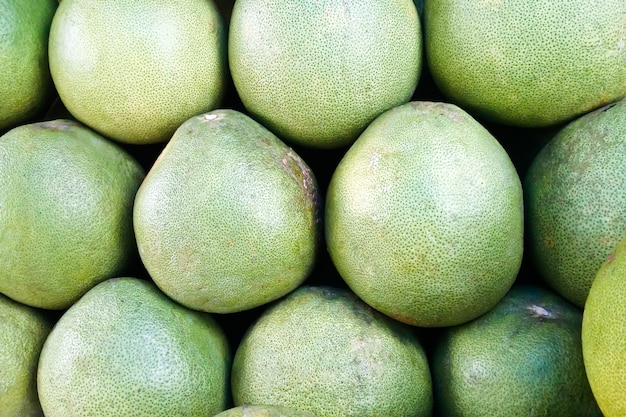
316, 72
522, 358
321, 349
66, 200
25, 82
23, 330
126, 349
575, 201
424, 216
134, 70
527, 63
227, 218
603, 333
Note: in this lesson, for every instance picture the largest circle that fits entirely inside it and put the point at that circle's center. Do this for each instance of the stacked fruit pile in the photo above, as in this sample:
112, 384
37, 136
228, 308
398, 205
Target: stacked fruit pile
312, 208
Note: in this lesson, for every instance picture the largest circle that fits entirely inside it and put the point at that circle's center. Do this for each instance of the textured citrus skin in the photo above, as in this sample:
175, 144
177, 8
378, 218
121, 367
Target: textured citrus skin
23, 330
527, 63
424, 216
575, 201
25, 82
603, 332
522, 358
263, 411
228, 216
135, 70
316, 72
125, 349
66, 198
323, 350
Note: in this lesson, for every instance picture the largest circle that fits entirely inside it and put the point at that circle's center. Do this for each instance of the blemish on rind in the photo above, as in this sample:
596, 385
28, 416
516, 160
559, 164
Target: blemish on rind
209, 116
539, 312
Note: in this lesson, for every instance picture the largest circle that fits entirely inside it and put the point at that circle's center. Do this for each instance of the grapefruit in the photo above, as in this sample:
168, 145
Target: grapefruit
424, 216
227, 218
66, 197
575, 201
135, 70
25, 82
316, 72
23, 330
603, 333
126, 349
524, 63
522, 358
321, 349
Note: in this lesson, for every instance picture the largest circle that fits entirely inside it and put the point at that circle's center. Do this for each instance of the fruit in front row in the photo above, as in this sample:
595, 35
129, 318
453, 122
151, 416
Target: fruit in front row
23, 330
127, 349
522, 358
322, 350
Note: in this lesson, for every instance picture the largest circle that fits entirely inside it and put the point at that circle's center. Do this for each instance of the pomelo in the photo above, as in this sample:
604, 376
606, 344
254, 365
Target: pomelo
321, 349
25, 82
227, 218
66, 198
126, 349
575, 201
263, 411
603, 333
424, 216
134, 70
316, 72
23, 330
524, 63
522, 358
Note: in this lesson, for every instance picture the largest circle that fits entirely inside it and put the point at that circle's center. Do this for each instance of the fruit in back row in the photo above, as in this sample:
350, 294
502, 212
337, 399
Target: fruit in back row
424, 216
322, 350
25, 82
135, 70
527, 63
317, 72
126, 349
66, 198
575, 200
228, 216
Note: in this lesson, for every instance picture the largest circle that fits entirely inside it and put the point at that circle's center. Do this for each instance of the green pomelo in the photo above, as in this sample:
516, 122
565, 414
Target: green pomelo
316, 72
263, 411
575, 200
66, 200
23, 330
522, 358
126, 349
25, 82
134, 70
524, 63
604, 331
424, 216
322, 350
228, 217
